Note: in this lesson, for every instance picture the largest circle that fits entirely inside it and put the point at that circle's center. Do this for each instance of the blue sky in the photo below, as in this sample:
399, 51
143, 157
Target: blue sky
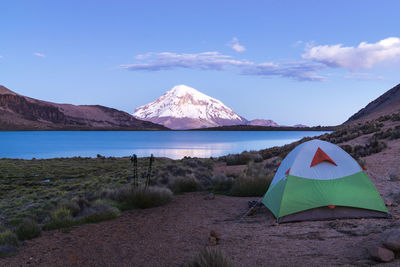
310, 62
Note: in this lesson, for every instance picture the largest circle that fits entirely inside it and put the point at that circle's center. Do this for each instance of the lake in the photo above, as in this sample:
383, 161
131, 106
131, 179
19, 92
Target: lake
172, 144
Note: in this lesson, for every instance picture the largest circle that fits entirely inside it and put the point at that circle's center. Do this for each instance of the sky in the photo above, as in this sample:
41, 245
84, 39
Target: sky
308, 62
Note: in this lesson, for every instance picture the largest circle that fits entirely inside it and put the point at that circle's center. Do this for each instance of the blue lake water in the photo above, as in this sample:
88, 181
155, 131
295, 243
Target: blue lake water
175, 145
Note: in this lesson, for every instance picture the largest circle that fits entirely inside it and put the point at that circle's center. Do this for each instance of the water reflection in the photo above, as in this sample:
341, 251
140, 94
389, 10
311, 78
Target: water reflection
170, 144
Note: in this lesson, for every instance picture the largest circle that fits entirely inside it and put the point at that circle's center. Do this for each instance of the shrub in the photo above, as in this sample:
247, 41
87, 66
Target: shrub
7, 250
209, 257
250, 186
256, 157
394, 177
61, 218
188, 184
347, 148
395, 134
8, 238
99, 211
237, 159
28, 229
222, 183
253, 182
140, 197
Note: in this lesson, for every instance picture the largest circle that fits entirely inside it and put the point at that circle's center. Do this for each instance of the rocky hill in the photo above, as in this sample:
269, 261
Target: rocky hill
386, 104
18, 112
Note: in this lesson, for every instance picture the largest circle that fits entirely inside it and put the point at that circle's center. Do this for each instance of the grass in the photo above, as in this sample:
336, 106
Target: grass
61, 218
130, 197
34, 188
209, 257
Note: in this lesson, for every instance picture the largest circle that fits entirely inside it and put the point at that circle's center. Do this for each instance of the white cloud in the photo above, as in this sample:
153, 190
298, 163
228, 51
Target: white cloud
298, 43
234, 44
39, 54
216, 61
364, 56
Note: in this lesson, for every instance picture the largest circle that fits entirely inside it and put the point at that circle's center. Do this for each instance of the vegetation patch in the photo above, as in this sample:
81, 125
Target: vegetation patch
99, 211
210, 257
132, 197
8, 238
188, 184
28, 229
222, 183
253, 182
60, 218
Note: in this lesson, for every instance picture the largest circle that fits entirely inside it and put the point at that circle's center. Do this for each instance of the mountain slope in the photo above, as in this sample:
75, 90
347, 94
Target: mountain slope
387, 103
18, 112
184, 107
261, 122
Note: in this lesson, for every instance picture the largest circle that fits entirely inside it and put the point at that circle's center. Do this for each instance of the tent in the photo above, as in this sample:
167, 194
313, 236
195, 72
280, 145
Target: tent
319, 180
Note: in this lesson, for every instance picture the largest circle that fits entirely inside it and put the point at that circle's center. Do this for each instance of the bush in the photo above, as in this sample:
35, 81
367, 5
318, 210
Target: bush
222, 183
253, 182
8, 238
7, 250
61, 218
250, 186
188, 184
71, 205
139, 197
237, 159
28, 229
99, 211
209, 257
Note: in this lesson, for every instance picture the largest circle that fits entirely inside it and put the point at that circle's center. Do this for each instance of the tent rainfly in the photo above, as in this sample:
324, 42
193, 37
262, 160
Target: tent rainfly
319, 180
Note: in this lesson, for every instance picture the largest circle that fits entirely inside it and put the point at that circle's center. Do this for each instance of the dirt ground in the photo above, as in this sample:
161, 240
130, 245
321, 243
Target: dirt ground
173, 234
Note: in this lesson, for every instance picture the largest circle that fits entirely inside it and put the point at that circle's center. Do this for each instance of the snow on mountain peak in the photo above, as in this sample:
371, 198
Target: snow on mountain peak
191, 106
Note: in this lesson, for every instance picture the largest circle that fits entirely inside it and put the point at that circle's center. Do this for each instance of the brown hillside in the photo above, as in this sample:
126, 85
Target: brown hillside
387, 103
19, 112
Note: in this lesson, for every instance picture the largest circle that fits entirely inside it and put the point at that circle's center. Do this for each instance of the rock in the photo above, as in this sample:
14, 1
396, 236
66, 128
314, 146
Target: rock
209, 196
212, 241
215, 234
381, 254
214, 238
392, 242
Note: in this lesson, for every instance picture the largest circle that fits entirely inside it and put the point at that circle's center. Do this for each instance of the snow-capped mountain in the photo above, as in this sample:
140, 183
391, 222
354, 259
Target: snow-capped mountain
184, 107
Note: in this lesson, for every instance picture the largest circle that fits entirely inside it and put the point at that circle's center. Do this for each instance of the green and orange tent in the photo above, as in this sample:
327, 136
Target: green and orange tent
319, 180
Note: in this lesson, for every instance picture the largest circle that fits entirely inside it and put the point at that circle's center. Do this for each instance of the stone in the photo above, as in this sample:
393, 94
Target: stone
212, 241
381, 254
209, 196
215, 234
392, 241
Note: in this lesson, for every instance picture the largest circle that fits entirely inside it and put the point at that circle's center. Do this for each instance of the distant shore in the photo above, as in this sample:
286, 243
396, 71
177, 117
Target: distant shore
220, 128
